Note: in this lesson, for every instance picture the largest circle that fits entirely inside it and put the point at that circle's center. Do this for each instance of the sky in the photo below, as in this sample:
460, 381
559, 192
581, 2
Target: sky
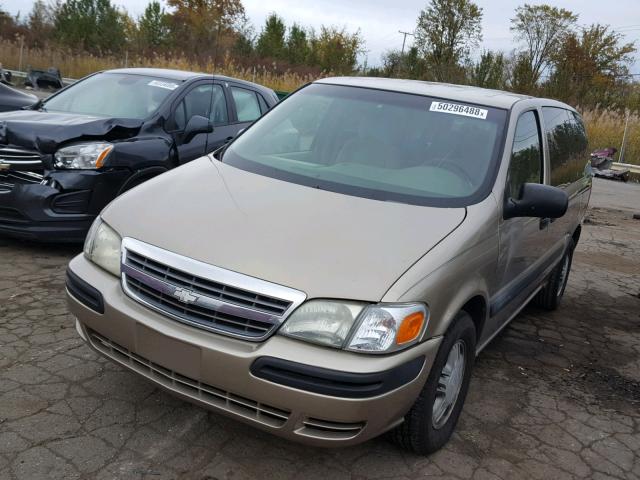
380, 20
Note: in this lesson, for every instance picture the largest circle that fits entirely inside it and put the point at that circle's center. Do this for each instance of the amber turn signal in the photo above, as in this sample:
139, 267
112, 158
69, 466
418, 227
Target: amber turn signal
410, 328
102, 156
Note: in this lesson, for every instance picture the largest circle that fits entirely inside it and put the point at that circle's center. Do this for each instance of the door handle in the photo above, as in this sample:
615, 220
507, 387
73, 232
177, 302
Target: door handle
544, 223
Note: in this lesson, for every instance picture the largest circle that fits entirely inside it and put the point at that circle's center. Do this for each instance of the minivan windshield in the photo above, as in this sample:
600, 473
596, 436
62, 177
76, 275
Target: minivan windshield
376, 144
118, 95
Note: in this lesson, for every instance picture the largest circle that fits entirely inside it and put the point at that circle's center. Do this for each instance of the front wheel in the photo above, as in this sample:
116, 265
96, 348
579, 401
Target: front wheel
433, 417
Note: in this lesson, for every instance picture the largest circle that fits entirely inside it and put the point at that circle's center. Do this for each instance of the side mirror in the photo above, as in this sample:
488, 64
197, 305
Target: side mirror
536, 200
196, 124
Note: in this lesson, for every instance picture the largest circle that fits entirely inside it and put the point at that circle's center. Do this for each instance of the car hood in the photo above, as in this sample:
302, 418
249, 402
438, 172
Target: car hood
12, 99
326, 244
45, 131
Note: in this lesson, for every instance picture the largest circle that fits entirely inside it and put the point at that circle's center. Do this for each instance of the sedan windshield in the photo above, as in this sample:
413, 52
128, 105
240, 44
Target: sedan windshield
118, 95
376, 144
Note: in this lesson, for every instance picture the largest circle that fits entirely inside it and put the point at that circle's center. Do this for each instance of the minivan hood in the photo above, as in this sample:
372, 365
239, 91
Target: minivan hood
45, 131
326, 244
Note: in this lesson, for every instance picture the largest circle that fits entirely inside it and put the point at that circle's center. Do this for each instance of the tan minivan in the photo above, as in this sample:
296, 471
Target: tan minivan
332, 273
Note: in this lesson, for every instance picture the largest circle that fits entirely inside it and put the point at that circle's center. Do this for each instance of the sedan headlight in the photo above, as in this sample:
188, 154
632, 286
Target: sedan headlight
359, 327
83, 156
102, 246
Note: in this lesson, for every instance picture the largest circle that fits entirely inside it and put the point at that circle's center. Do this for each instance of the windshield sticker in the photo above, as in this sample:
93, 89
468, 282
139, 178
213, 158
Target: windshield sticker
167, 85
457, 109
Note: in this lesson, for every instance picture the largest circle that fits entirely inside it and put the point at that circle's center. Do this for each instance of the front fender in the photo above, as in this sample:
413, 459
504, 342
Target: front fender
140, 153
459, 268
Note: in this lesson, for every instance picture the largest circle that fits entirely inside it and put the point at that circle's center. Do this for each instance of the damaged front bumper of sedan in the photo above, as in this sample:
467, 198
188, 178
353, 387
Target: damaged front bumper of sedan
51, 206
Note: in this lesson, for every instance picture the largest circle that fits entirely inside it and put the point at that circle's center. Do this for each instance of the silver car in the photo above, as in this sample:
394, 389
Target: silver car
332, 273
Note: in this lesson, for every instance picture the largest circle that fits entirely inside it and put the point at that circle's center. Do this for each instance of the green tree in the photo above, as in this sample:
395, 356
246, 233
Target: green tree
243, 46
335, 50
203, 26
91, 25
153, 26
8, 24
271, 42
542, 29
297, 45
590, 68
40, 24
519, 74
490, 71
446, 31
408, 65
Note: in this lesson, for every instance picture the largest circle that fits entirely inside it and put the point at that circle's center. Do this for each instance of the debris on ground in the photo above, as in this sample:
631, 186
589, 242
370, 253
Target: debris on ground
601, 161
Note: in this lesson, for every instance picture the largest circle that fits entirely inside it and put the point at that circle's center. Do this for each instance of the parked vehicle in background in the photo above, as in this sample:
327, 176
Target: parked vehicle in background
49, 79
601, 163
5, 76
332, 273
12, 99
71, 154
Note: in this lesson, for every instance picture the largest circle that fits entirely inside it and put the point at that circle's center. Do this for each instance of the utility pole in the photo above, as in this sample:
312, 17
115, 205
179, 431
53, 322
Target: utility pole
366, 61
404, 39
624, 139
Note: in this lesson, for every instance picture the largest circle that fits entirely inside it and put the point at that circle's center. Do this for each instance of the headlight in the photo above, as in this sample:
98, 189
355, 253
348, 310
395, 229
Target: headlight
380, 328
324, 322
386, 328
83, 156
102, 246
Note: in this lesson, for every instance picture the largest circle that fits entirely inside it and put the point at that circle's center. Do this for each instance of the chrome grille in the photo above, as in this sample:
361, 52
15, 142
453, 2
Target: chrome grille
190, 387
17, 156
203, 295
207, 287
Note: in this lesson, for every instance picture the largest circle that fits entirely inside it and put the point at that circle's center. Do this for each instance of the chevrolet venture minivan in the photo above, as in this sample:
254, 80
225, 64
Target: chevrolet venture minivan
331, 274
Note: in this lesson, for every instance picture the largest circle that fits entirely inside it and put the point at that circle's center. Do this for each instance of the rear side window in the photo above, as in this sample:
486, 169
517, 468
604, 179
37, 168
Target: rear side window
247, 105
567, 145
526, 156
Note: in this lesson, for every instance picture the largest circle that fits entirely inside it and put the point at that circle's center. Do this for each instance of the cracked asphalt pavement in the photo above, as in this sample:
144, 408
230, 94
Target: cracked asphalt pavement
555, 396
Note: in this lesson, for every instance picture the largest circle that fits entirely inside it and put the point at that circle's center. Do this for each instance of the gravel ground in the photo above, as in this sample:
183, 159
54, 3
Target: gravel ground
555, 396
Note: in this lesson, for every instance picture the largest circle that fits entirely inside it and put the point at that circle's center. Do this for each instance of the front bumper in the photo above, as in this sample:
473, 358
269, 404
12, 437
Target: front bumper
215, 371
60, 210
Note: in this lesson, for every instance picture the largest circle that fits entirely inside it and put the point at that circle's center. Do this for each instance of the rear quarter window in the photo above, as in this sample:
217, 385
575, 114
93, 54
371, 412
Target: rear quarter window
567, 142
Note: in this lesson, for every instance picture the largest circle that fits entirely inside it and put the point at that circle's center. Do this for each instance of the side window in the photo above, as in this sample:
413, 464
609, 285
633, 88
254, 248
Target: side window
263, 104
247, 104
567, 145
526, 155
219, 114
199, 102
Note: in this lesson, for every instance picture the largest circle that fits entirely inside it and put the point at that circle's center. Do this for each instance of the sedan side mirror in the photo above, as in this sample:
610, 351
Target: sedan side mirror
537, 200
197, 124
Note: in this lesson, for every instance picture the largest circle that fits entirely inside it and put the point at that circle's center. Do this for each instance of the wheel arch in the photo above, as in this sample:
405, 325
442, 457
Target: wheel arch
576, 235
477, 309
141, 176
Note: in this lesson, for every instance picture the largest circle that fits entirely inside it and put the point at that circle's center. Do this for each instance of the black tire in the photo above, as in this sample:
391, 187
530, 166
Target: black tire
551, 294
417, 433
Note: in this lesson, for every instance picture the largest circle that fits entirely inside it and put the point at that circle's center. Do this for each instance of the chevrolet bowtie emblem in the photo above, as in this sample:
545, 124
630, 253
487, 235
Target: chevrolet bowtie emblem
184, 295
4, 166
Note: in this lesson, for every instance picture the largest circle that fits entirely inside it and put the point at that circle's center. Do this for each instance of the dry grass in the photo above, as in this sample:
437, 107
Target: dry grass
604, 127
77, 66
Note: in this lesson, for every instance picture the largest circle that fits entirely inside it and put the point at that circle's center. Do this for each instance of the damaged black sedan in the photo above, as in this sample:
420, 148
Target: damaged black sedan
65, 158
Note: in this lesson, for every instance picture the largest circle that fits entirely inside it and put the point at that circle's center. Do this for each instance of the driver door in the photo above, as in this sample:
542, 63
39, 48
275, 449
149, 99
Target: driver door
198, 101
524, 241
